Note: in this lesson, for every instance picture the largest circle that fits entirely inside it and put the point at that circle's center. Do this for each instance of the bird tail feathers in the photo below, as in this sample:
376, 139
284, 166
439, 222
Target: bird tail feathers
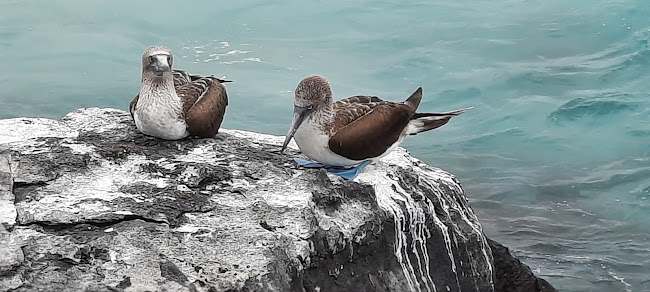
422, 122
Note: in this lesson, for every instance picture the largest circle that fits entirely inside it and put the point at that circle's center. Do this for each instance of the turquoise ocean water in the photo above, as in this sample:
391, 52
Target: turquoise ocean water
555, 156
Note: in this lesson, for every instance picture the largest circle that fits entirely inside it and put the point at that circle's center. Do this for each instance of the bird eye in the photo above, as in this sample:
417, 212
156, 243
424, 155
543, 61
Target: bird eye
169, 60
152, 59
311, 107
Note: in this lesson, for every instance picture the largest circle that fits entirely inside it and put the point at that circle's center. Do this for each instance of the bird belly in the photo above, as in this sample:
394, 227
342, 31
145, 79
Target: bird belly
314, 143
159, 120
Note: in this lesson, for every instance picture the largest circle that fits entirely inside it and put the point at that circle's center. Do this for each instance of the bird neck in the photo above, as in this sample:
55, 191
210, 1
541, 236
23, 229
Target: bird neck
325, 114
159, 92
163, 84
328, 109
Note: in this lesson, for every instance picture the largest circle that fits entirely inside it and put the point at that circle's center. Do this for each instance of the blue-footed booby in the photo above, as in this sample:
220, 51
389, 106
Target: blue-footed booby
355, 130
173, 104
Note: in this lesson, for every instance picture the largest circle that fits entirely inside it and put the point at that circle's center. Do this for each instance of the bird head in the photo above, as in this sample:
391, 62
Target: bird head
157, 61
312, 93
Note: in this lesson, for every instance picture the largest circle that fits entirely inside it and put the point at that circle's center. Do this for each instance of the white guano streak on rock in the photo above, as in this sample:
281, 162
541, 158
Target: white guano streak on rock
389, 193
387, 200
401, 158
432, 177
431, 210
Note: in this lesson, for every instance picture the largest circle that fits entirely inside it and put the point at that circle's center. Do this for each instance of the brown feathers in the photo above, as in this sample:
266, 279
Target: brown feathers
366, 126
205, 102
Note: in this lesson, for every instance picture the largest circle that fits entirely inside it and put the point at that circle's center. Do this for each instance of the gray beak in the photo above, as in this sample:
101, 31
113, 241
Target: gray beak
299, 115
159, 69
159, 65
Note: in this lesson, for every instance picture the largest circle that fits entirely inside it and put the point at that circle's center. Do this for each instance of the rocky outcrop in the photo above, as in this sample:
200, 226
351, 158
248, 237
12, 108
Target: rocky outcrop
513, 276
89, 204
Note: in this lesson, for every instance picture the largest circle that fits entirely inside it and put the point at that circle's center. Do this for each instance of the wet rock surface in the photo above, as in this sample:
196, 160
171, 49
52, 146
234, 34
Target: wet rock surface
511, 275
89, 204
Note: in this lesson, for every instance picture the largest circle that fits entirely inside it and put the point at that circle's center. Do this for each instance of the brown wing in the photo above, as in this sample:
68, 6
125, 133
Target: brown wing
181, 78
367, 128
133, 103
205, 100
350, 109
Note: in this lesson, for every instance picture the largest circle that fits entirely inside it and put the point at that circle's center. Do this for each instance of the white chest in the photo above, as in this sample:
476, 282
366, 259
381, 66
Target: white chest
160, 116
313, 141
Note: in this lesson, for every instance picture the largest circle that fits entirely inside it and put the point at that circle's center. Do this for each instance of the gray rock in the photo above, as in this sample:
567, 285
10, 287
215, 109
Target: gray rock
511, 275
89, 204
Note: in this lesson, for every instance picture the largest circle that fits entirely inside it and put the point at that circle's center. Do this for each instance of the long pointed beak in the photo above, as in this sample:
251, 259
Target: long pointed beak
160, 69
299, 115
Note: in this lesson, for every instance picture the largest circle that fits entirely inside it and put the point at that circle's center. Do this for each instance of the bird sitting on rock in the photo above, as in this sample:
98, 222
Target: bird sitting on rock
173, 104
354, 131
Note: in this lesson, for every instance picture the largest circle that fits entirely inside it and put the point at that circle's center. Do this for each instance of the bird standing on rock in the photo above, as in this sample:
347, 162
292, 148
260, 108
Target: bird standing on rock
356, 130
173, 104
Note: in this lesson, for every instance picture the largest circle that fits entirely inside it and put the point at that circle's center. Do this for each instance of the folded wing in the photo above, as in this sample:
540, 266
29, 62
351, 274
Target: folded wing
366, 126
205, 100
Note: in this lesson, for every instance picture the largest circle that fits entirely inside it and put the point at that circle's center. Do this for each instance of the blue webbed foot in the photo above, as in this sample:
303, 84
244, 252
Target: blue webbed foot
346, 173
